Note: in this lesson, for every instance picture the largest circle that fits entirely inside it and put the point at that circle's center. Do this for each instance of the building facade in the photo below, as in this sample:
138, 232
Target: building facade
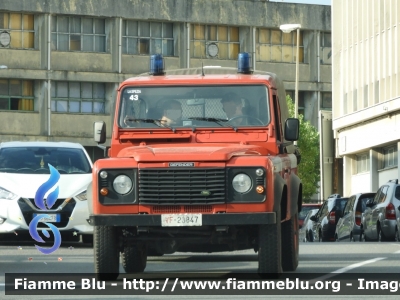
65, 59
366, 91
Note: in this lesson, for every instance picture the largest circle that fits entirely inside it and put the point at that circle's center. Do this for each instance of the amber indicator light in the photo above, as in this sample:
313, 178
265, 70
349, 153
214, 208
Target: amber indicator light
260, 189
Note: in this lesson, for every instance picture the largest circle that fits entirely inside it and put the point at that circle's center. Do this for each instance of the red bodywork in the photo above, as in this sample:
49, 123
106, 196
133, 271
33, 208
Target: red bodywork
208, 147
206, 184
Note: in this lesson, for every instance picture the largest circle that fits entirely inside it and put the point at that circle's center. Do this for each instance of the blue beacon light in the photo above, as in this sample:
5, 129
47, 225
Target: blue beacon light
244, 63
156, 64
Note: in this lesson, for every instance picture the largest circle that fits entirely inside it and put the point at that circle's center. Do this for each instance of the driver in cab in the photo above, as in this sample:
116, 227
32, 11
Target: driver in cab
232, 105
172, 113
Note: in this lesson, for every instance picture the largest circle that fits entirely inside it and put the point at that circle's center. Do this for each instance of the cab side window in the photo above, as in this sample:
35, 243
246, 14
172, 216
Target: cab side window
397, 193
383, 194
324, 210
349, 205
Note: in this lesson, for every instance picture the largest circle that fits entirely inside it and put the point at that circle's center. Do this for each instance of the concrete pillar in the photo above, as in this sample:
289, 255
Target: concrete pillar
347, 175
398, 160
373, 170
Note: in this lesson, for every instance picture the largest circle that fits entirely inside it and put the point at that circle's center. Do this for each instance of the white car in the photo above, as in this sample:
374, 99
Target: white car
24, 167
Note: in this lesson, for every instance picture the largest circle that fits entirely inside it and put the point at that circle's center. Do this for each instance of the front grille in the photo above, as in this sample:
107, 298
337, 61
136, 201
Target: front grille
197, 209
65, 213
166, 209
175, 209
182, 186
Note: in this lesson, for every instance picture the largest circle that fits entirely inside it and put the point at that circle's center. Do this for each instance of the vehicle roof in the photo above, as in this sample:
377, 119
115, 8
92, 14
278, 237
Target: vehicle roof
40, 144
358, 195
208, 72
341, 198
311, 204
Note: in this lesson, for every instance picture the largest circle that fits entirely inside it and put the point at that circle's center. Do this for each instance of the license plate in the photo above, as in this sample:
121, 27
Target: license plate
52, 218
181, 220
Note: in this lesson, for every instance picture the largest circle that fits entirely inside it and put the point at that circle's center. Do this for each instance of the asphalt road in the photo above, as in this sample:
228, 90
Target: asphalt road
329, 259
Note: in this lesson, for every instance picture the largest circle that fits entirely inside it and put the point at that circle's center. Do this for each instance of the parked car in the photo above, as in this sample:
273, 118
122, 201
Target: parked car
24, 167
306, 207
349, 225
306, 233
327, 217
380, 216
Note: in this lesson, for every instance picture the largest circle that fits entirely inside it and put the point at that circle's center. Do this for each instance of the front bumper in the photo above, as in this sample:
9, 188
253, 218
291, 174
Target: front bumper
389, 228
207, 219
17, 219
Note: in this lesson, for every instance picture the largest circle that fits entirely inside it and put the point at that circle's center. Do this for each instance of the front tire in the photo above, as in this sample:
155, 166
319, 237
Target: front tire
352, 237
106, 252
381, 237
87, 239
134, 257
311, 235
290, 244
269, 249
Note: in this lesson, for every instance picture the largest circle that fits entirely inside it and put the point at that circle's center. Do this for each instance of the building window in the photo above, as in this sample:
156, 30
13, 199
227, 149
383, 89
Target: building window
223, 39
326, 101
390, 156
78, 34
274, 45
326, 48
21, 30
301, 100
78, 97
362, 162
147, 38
16, 95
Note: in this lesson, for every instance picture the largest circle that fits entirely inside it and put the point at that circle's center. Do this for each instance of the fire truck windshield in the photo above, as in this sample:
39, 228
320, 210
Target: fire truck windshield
195, 106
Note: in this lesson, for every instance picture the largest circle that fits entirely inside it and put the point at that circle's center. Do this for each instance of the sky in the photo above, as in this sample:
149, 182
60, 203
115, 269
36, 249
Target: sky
321, 2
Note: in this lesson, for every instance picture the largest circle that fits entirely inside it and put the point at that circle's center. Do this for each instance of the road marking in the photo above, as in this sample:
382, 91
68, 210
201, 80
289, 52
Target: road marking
398, 251
348, 268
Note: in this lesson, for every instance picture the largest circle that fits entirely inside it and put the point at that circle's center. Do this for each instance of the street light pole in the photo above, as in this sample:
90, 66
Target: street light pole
287, 28
296, 87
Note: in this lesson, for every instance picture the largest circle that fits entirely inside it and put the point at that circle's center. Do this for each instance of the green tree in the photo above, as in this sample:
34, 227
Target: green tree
308, 143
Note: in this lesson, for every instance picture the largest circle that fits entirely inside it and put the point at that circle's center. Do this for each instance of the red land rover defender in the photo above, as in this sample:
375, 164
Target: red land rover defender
201, 160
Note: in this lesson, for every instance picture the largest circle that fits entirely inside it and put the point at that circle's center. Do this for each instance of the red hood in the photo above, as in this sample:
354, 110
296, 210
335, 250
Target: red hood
193, 153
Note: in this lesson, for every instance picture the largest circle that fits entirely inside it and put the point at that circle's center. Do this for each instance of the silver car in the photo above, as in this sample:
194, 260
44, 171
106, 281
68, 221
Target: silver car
380, 216
350, 224
306, 232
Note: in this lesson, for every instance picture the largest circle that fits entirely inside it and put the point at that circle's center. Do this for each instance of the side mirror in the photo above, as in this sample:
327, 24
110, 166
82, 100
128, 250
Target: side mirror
100, 132
313, 218
292, 126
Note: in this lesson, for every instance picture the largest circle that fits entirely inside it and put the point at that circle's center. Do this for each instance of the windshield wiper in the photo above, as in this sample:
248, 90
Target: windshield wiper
215, 120
154, 121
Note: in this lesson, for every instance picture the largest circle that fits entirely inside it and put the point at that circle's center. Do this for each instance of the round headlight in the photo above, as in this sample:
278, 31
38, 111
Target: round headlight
103, 174
259, 172
122, 184
241, 183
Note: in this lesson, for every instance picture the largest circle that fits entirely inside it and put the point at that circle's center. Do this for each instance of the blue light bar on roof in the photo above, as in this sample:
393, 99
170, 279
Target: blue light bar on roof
244, 63
156, 64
